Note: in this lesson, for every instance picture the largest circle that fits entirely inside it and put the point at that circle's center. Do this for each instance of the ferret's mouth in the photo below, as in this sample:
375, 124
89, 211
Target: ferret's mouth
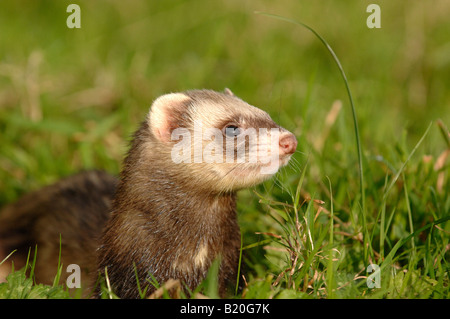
253, 169
284, 160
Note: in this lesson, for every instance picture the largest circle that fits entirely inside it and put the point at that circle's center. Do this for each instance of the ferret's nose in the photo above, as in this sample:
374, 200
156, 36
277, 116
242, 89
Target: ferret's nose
288, 144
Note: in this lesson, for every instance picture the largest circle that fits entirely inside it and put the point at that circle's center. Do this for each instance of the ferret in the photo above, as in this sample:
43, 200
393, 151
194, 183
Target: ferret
171, 213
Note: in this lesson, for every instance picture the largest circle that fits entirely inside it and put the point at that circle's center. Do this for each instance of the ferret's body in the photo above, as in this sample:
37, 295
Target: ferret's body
174, 230
76, 208
171, 218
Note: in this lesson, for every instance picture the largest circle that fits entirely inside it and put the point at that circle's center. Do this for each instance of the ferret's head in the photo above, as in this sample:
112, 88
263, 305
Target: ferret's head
217, 140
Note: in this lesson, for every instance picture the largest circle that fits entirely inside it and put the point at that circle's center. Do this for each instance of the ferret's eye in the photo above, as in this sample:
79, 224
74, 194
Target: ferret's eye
231, 130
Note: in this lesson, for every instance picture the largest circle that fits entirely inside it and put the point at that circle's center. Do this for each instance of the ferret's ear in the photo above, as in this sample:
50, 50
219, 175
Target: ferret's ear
165, 113
228, 92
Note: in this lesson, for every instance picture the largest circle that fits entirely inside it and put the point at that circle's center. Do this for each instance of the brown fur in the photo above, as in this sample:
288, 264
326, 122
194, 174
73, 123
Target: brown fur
161, 222
76, 207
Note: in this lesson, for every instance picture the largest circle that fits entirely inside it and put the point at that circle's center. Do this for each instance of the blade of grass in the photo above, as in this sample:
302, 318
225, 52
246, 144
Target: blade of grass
142, 293
33, 265
444, 132
258, 243
382, 231
111, 295
383, 227
309, 222
386, 238
210, 283
408, 207
239, 267
400, 171
331, 284
59, 270
355, 120
296, 200
7, 256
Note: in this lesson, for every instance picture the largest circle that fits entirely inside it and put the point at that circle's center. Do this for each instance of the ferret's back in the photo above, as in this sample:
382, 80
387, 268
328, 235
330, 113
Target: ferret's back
75, 208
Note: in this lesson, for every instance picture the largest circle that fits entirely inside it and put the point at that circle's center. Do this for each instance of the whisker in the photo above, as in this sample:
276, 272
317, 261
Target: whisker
295, 164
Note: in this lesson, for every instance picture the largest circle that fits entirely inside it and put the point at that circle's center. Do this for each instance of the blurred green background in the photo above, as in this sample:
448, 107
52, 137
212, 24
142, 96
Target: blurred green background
70, 98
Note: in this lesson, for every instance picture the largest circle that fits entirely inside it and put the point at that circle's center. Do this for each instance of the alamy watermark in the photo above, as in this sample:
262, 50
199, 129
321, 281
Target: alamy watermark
374, 19
374, 279
207, 145
74, 19
74, 279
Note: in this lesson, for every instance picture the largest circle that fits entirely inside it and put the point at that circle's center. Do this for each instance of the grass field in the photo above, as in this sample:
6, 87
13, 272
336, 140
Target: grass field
70, 98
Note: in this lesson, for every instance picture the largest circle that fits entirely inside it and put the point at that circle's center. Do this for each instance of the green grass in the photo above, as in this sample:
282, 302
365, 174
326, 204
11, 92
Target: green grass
69, 100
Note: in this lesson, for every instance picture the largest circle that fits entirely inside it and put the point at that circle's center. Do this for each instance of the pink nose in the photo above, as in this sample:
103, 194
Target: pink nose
288, 144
